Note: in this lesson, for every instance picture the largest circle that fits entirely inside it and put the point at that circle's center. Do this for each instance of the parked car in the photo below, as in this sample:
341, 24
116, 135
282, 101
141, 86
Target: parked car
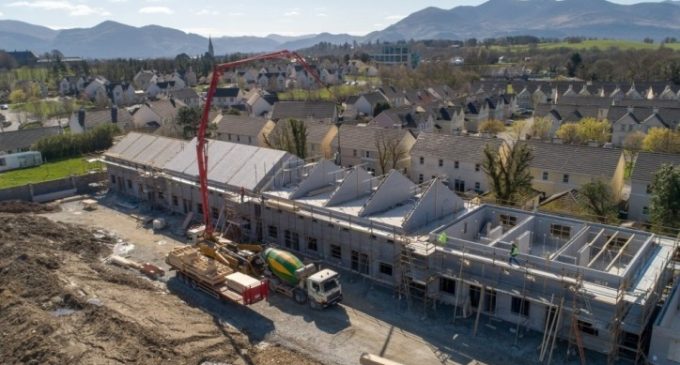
4, 107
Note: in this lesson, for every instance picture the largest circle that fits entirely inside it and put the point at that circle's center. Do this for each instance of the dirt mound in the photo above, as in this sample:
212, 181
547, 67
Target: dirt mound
20, 206
60, 305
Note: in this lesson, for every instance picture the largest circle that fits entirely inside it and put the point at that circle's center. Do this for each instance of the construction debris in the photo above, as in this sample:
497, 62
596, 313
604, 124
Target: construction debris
60, 305
20, 206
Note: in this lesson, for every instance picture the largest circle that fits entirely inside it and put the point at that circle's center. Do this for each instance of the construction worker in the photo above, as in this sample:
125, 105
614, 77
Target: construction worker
514, 251
243, 194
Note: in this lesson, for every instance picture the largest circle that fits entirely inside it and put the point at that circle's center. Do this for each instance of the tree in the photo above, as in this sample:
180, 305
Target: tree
390, 151
188, 119
662, 140
633, 143
492, 127
508, 171
598, 200
17, 96
591, 129
541, 128
587, 130
290, 136
517, 129
574, 64
664, 210
568, 133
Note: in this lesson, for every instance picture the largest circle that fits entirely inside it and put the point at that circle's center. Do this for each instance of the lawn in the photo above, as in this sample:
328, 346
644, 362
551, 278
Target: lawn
48, 171
588, 44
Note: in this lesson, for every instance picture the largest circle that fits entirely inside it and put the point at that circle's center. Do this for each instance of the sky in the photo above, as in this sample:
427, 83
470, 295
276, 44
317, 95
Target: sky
228, 17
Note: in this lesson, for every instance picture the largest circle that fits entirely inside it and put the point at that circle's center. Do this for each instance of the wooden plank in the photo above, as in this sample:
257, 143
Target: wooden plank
604, 248
618, 254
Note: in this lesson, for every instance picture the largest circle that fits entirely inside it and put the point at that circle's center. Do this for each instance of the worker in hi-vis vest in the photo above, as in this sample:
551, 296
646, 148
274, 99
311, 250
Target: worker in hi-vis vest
514, 251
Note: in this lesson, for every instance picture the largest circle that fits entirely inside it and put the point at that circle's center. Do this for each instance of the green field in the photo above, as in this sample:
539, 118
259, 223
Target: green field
48, 171
598, 43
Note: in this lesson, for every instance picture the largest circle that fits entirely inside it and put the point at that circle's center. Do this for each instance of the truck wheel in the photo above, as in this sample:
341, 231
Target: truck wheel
273, 284
313, 304
300, 296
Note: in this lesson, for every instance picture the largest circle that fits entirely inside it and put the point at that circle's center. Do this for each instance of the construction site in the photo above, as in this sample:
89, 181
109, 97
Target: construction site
592, 286
212, 252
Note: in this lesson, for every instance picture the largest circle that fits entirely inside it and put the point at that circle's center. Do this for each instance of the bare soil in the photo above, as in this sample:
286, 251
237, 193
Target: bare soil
59, 304
20, 206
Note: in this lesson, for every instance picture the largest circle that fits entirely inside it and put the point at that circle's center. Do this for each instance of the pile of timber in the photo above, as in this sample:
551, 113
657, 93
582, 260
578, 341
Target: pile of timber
189, 259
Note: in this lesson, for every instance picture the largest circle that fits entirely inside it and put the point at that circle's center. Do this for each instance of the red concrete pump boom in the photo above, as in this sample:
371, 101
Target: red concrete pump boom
201, 142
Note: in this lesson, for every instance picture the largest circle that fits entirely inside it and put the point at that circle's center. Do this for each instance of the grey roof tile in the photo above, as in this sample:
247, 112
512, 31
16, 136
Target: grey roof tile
647, 163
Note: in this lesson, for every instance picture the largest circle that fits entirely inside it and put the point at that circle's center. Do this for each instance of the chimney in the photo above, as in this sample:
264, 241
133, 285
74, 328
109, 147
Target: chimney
655, 110
631, 109
114, 114
81, 118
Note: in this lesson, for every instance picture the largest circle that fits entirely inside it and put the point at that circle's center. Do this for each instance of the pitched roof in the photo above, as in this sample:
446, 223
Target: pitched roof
182, 94
374, 98
146, 149
10, 141
230, 165
648, 163
241, 125
450, 147
166, 109
317, 131
303, 110
226, 92
575, 159
95, 118
364, 138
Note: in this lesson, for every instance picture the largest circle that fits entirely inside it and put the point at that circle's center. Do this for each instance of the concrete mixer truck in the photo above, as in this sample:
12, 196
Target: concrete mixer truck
287, 275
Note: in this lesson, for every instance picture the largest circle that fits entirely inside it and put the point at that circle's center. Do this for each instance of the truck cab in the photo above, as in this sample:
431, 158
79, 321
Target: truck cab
323, 288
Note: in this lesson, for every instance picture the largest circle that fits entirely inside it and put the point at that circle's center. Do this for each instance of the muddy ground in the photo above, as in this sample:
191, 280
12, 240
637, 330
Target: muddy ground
60, 304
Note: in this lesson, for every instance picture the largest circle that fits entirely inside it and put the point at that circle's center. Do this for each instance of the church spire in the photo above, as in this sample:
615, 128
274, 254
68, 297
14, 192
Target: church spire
211, 50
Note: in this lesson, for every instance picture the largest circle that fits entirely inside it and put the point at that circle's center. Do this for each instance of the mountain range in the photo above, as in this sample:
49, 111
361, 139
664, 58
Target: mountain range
544, 18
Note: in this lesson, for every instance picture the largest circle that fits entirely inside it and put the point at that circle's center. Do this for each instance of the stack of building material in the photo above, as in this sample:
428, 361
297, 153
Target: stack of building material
191, 260
239, 282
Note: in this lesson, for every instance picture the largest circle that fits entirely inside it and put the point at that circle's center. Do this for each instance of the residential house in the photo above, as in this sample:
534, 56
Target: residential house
143, 79
476, 113
84, 120
71, 85
260, 103
556, 168
627, 120
121, 94
319, 137
455, 159
366, 103
415, 118
154, 114
359, 146
244, 130
190, 77
395, 97
315, 110
22, 140
227, 97
646, 165
96, 86
449, 120
23, 58
187, 96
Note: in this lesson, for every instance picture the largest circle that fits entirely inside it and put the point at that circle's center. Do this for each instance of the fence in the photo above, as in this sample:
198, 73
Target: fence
53, 189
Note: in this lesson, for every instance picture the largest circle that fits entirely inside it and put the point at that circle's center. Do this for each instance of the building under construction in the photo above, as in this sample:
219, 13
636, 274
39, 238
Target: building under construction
592, 284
